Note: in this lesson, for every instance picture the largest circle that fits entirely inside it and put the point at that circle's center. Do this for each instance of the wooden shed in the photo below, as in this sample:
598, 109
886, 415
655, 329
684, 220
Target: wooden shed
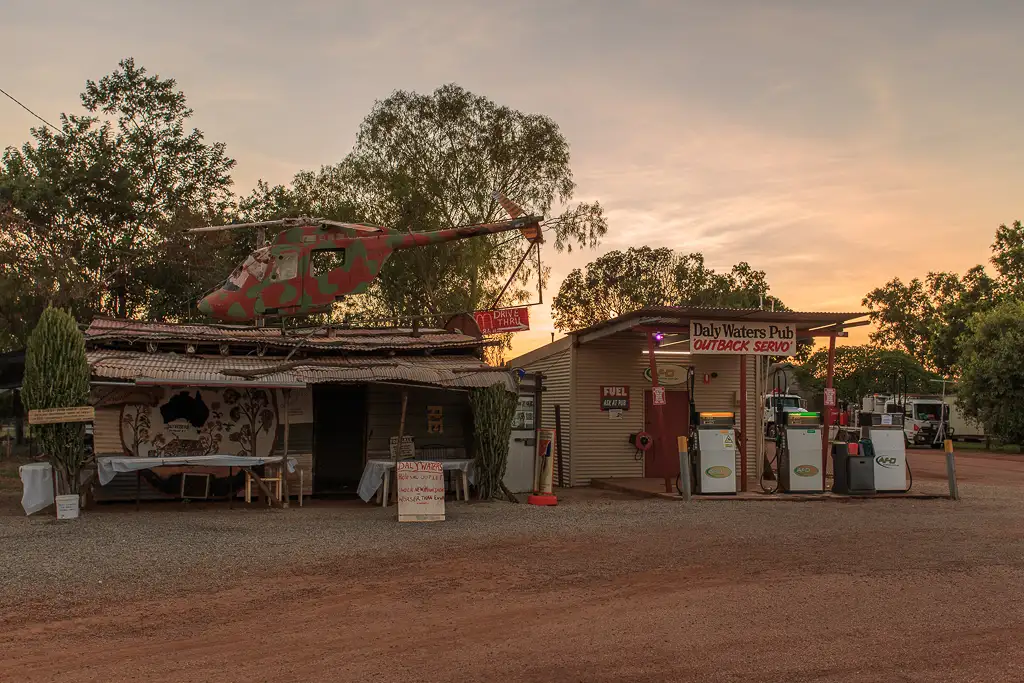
601, 380
166, 389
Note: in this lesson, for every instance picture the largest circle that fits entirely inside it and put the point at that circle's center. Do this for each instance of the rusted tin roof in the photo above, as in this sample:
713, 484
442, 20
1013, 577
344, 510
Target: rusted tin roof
196, 370
382, 339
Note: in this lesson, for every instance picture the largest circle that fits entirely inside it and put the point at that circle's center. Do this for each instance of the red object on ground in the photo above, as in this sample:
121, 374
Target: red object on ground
542, 499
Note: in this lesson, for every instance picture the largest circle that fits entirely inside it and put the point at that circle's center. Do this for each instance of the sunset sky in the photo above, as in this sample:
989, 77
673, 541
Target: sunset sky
833, 144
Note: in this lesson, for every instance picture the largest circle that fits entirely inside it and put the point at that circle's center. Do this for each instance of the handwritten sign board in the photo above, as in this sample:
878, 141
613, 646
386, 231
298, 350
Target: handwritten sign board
615, 398
739, 338
658, 396
830, 397
420, 491
46, 416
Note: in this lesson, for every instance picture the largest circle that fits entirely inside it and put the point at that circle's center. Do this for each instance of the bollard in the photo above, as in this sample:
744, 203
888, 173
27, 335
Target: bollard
684, 467
951, 471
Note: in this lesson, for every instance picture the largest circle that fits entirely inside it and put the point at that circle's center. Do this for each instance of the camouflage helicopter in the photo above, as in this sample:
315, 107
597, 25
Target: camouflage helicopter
315, 261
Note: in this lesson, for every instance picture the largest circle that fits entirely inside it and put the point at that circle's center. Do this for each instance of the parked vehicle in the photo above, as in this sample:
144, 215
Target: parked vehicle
923, 414
791, 403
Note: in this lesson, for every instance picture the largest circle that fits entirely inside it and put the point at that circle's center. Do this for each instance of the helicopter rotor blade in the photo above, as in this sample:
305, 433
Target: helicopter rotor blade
511, 208
237, 226
352, 226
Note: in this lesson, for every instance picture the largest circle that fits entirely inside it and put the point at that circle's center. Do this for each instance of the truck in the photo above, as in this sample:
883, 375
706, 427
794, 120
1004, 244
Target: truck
790, 403
922, 416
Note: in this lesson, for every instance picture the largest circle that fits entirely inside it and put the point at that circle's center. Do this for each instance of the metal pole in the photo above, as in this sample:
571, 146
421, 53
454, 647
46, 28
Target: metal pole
285, 493
954, 493
659, 413
743, 423
684, 467
827, 409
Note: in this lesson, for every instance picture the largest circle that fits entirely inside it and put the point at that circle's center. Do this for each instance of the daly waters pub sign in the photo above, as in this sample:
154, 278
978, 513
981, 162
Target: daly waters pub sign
738, 338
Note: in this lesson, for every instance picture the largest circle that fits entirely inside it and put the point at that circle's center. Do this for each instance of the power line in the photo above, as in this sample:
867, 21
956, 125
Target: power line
13, 99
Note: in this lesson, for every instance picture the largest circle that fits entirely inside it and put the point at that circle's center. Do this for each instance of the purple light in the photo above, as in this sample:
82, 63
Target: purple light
658, 336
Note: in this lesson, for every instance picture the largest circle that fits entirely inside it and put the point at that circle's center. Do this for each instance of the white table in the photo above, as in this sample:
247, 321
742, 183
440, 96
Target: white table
378, 472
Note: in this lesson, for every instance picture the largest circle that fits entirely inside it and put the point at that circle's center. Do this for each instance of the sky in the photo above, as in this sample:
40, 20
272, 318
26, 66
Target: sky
832, 144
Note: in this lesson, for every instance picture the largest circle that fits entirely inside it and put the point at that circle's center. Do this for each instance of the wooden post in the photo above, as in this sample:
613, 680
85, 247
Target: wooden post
558, 437
684, 467
398, 447
231, 488
284, 458
743, 423
828, 411
954, 493
138, 488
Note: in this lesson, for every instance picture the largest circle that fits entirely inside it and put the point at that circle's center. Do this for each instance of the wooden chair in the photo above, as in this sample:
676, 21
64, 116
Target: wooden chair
273, 482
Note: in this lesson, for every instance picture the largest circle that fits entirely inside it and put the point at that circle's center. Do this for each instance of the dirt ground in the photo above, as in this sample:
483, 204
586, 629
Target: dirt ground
603, 587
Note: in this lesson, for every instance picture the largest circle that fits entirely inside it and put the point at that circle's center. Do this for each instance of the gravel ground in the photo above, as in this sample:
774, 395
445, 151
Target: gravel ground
603, 587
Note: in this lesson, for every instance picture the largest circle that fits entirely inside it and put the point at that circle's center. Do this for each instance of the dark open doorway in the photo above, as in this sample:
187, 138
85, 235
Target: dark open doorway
338, 438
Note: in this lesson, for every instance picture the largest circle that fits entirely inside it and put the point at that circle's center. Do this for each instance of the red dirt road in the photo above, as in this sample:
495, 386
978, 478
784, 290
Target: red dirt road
978, 468
602, 588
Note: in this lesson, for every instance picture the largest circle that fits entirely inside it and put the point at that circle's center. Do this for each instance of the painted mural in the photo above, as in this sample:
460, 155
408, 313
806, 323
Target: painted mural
201, 422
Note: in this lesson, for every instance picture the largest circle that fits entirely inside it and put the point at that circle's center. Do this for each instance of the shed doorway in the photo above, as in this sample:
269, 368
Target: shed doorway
339, 429
662, 460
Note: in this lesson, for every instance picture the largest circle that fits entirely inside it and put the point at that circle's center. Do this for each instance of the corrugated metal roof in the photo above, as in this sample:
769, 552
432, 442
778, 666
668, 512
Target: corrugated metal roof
464, 371
383, 339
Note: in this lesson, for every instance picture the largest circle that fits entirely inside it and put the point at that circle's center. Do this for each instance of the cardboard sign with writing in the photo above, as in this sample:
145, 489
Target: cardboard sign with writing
615, 398
408, 449
739, 338
46, 416
420, 491
658, 396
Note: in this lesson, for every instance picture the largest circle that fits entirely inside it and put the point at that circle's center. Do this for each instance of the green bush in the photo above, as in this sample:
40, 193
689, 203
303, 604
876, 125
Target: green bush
991, 387
57, 376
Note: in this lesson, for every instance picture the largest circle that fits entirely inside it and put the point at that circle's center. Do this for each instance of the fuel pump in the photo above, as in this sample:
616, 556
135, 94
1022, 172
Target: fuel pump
712, 449
882, 438
800, 459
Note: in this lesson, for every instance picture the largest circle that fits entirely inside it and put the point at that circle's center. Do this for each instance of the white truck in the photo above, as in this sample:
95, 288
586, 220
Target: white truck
790, 403
922, 414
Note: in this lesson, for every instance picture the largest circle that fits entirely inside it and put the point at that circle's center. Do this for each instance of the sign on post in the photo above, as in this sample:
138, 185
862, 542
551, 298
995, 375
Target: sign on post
544, 477
615, 398
830, 397
740, 338
658, 396
45, 416
420, 491
408, 450
503, 320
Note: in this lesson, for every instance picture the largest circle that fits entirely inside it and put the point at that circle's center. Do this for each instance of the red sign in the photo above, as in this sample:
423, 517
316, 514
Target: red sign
830, 397
658, 394
503, 320
615, 398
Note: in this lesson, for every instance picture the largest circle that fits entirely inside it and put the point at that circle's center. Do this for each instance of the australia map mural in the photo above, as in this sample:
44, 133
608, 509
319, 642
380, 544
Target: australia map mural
201, 422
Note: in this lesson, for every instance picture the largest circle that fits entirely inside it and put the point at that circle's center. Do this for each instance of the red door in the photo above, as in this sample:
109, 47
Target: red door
662, 460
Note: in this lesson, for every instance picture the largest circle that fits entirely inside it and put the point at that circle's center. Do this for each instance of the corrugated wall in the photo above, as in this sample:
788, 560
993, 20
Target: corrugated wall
384, 413
557, 371
602, 448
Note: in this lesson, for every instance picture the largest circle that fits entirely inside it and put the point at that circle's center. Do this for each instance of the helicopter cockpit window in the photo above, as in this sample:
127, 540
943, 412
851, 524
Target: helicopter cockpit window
287, 266
255, 265
323, 261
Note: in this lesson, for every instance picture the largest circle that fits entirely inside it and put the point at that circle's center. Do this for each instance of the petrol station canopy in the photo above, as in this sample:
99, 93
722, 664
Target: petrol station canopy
674, 319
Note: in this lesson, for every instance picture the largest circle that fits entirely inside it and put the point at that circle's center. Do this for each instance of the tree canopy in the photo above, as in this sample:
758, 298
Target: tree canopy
429, 162
928, 318
991, 386
863, 370
94, 215
622, 281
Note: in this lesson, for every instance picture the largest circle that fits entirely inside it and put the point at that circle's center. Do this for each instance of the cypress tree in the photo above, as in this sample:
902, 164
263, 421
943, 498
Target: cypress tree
57, 376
